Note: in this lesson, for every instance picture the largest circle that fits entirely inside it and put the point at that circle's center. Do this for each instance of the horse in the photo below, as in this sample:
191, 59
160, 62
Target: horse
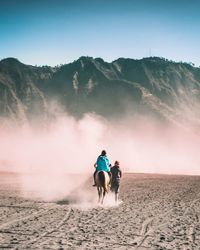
102, 179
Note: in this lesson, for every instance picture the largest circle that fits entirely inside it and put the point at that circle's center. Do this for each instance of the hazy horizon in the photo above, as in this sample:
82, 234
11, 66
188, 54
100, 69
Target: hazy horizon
142, 145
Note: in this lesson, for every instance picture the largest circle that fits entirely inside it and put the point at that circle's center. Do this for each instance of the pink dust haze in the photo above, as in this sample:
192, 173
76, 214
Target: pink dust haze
51, 155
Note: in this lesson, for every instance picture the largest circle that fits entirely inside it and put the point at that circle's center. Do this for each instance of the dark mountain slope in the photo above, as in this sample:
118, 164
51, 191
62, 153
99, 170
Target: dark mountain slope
152, 86
88, 85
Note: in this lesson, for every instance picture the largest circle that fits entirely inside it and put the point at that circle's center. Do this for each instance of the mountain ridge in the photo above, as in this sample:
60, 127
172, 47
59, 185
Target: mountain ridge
150, 86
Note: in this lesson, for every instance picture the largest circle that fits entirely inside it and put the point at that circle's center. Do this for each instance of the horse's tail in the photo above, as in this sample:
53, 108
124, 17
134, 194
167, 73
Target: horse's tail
102, 180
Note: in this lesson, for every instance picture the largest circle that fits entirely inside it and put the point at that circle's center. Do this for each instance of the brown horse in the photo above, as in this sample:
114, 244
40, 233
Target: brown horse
102, 179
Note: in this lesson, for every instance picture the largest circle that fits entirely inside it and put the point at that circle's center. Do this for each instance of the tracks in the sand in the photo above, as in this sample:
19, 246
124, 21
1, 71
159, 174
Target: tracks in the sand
24, 218
23, 225
158, 213
186, 217
48, 232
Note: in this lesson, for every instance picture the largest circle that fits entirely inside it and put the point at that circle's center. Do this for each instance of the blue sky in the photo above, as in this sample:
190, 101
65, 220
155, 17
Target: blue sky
51, 32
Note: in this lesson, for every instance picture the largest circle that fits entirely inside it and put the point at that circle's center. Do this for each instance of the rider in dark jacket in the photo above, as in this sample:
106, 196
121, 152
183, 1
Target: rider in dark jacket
116, 176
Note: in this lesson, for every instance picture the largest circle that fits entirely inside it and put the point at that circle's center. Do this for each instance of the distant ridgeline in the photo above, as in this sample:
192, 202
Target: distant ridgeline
151, 86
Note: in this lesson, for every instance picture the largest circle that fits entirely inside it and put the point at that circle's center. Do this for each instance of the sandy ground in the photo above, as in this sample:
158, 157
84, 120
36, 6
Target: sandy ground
155, 212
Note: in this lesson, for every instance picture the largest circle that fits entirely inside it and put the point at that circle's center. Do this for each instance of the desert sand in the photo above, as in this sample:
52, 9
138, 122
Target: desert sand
154, 212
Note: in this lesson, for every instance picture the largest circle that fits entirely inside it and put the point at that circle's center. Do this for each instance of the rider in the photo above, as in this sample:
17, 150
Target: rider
116, 176
102, 164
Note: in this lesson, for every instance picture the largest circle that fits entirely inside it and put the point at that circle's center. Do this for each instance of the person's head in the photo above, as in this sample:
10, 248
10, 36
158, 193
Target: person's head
116, 163
103, 152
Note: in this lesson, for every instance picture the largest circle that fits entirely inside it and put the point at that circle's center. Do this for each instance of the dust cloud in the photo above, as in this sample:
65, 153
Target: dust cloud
54, 160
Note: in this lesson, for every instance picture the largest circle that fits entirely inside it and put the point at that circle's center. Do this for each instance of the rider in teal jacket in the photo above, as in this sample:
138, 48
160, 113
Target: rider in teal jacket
102, 164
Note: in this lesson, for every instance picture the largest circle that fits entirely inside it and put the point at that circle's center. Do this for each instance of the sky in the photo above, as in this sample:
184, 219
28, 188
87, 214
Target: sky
53, 32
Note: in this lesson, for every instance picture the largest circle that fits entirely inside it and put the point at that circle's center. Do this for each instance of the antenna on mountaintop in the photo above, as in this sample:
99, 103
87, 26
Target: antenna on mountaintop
149, 52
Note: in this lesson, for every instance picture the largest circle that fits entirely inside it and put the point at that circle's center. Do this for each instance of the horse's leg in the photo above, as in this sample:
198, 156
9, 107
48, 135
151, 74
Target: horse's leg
104, 193
106, 187
99, 193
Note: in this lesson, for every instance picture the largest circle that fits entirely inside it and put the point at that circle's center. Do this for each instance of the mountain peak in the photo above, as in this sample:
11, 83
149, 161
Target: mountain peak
10, 60
85, 58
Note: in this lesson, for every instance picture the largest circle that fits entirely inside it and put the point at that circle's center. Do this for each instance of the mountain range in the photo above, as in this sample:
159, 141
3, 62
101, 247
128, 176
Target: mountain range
157, 87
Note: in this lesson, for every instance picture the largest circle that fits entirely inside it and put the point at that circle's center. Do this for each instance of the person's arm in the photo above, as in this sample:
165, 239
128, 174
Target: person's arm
120, 172
107, 161
108, 164
96, 163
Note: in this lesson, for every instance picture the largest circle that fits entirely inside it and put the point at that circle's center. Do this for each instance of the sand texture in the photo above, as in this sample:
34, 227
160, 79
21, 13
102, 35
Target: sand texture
155, 212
